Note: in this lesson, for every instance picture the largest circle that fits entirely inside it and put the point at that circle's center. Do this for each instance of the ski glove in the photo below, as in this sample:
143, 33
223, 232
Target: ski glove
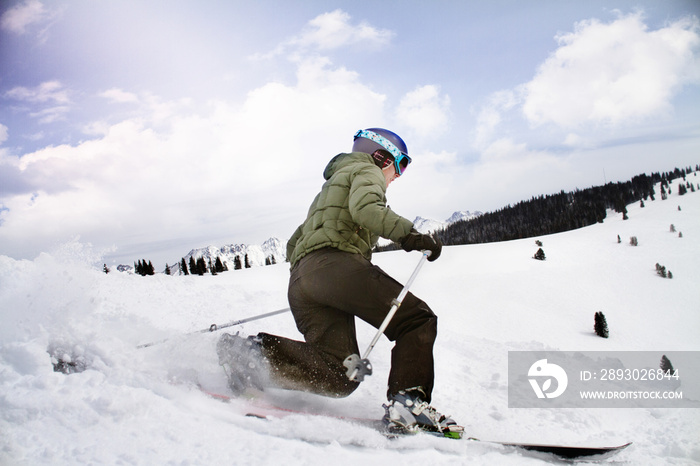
415, 241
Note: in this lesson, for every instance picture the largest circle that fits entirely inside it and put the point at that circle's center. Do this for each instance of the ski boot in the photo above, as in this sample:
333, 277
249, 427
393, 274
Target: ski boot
407, 413
242, 361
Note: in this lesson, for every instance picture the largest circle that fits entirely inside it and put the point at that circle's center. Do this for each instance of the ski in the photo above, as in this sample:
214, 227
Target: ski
264, 411
565, 452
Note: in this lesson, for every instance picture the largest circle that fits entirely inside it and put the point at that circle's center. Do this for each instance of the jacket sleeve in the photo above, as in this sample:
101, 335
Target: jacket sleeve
292, 243
367, 204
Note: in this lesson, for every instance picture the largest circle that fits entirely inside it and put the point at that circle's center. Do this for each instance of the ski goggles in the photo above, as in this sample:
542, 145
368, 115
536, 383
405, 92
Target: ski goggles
401, 160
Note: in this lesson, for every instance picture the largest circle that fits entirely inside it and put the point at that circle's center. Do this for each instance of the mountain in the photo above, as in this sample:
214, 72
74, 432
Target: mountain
271, 251
426, 225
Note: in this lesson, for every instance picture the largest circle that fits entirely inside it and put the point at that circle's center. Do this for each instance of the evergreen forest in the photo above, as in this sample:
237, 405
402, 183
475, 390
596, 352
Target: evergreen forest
556, 213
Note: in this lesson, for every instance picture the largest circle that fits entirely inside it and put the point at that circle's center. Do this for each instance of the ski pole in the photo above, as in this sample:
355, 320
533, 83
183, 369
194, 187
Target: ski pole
214, 327
358, 368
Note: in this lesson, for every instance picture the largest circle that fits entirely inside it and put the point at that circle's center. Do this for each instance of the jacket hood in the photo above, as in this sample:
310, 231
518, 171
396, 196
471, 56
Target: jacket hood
345, 159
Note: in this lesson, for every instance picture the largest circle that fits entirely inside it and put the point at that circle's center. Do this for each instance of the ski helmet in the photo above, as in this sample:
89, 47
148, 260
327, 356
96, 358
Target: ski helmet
384, 146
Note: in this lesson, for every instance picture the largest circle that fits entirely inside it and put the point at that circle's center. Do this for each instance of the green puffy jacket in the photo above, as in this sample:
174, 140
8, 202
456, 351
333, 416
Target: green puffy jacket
350, 212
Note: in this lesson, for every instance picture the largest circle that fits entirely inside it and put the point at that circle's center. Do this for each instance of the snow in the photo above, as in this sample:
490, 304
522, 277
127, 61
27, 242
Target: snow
141, 406
256, 254
427, 225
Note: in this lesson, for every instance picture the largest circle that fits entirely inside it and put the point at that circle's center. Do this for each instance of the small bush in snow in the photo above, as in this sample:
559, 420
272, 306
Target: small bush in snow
601, 326
633, 241
539, 255
662, 272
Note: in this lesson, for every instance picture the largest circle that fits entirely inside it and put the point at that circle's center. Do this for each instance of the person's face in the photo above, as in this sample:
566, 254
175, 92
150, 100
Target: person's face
389, 174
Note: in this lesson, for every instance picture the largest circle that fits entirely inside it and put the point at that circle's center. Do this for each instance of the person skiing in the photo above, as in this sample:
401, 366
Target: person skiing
332, 281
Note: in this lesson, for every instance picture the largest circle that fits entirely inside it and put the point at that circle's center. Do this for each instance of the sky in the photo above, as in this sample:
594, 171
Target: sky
149, 128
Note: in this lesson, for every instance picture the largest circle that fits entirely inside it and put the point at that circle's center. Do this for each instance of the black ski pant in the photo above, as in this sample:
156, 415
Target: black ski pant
327, 289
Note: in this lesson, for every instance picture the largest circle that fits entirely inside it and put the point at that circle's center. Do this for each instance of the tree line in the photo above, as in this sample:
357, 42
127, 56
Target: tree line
200, 266
560, 212
556, 213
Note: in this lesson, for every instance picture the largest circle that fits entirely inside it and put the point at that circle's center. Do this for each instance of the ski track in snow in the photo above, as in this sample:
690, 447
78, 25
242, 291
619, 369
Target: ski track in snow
142, 406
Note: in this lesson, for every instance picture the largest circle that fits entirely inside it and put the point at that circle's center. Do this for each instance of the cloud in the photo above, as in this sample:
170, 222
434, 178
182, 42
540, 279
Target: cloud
119, 96
50, 114
3, 133
612, 73
603, 78
18, 18
333, 30
491, 116
49, 91
178, 172
330, 31
425, 111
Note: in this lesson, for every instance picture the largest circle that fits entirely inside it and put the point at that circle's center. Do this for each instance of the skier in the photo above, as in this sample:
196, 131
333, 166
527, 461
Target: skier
333, 281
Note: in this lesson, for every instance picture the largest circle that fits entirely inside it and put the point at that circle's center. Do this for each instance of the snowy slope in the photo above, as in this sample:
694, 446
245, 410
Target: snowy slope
139, 406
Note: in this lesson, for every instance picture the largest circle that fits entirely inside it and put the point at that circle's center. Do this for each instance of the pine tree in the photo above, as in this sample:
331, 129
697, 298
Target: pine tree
105, 269
237, 263
183, 267
666, 365
218, 265
601, 326
539, 255
167, 269
193, 266
151, 270
247, 262
201, 266
661, 270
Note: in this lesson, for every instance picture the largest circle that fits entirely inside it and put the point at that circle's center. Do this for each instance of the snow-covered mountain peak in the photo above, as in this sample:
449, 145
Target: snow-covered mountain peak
272, 250
427, 225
